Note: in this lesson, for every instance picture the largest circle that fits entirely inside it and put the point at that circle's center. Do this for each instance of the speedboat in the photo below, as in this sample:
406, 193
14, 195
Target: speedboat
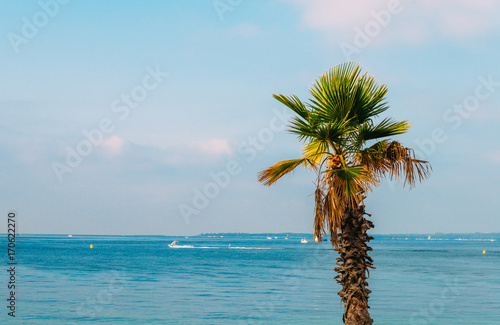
174, 245
304, 241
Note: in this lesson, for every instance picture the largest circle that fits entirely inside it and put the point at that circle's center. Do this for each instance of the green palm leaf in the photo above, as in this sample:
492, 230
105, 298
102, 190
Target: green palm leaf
386, 128
270, 175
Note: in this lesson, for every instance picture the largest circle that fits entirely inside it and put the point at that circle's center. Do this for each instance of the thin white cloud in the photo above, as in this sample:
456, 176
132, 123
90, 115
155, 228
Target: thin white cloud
492, 156
486, 113
337, 14
419, 21
113, 145
461, 18
212, 147
245, 29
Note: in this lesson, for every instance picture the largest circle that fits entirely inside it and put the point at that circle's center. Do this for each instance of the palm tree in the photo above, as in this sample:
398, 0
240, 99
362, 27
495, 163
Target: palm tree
350, 153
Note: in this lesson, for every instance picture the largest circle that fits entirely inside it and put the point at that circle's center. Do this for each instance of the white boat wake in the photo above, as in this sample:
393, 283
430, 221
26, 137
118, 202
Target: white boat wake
219, 247
181, 246
175, 242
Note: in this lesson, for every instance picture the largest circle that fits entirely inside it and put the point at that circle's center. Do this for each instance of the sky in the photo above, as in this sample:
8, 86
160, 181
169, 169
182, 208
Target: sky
153, 117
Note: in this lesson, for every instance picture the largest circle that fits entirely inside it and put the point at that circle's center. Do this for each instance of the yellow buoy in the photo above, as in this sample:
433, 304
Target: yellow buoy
91, 246
484, 252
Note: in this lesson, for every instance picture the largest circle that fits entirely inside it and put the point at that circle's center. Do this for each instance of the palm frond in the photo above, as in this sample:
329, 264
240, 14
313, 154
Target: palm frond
332, 131
373, 157
353, 180
404, 164
334, 209
332, 92
270, 175
294, 103
319, 214
370, 99
390, 158
303, 129
316, 150
386, 128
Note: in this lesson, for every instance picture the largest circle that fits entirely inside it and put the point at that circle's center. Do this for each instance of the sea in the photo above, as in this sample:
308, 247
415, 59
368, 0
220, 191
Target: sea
244, 279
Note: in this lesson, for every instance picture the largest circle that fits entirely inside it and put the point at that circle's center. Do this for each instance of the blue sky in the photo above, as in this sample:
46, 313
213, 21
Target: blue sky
173, 93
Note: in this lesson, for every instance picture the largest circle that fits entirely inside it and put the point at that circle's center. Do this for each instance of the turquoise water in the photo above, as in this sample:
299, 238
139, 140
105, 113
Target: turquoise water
140, 280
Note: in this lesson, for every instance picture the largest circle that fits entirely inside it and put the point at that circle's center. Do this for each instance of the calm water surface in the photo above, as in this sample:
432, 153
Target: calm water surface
140, 280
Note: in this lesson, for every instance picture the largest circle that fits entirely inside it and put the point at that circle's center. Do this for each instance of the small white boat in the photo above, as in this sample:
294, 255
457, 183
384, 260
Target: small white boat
304, 241
269, 237
286, 236
275, 237
70, 235
174, 245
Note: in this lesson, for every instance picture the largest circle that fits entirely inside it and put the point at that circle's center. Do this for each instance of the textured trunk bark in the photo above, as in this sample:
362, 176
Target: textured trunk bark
353, 264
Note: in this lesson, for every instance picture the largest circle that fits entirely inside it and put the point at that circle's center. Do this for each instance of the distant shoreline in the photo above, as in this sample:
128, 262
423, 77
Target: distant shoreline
427, 236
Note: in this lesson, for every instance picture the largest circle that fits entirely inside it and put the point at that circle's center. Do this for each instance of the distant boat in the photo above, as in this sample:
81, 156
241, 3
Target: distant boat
275, 237
304, 241
429, 238
269, 237
286, 236
70, 235
174, 245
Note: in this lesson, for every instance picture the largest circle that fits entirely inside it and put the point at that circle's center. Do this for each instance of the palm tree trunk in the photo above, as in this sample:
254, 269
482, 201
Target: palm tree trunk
353, 263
